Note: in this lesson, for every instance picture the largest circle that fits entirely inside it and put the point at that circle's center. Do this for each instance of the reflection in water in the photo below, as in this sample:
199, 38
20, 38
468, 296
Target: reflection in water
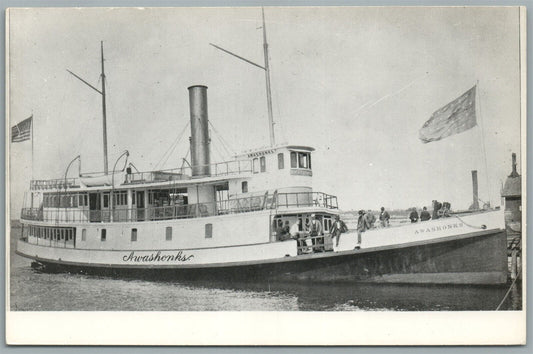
34, 291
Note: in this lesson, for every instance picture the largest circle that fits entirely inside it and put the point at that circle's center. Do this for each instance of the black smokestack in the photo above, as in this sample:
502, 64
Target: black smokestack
200, 155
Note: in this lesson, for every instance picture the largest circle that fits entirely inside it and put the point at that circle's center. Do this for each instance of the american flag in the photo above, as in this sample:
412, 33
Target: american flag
22, 131
455, 117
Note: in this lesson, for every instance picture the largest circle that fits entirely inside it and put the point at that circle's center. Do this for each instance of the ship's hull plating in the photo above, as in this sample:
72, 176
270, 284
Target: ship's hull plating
476, 258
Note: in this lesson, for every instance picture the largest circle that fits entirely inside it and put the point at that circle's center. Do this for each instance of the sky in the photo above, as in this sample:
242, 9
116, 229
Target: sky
355, 83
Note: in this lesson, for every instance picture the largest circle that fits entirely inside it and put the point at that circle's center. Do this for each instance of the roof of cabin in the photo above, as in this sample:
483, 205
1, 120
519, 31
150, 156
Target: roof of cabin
271, 149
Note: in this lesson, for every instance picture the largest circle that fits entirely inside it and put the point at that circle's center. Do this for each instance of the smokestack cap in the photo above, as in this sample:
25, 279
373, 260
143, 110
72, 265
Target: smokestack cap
193, 86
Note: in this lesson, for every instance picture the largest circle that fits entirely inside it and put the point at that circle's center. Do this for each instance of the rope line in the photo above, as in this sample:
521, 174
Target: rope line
482, 227
509, 290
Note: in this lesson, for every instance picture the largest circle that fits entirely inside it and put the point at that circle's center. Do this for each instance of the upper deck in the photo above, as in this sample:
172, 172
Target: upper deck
219, 170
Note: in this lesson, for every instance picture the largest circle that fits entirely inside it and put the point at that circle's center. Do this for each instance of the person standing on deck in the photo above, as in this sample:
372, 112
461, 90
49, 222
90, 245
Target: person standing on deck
315, 229
436, 207
370, 219
384, 217
424, 214
337, 229
362, 226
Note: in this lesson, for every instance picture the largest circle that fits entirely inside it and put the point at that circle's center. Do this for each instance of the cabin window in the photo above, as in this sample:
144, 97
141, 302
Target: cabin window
244, 186
208, 230
133, 235
106, 200
302, 160
256, 165
133, 197
262, 162
168, 233
294, 158
103, 235
281, 162
83, 234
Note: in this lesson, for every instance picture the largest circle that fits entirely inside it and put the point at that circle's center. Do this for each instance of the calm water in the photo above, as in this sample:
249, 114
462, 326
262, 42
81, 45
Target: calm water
34, 291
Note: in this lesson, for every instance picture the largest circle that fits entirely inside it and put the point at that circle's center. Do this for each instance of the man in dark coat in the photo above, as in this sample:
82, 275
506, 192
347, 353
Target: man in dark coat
424, 214
337, 229
413, 216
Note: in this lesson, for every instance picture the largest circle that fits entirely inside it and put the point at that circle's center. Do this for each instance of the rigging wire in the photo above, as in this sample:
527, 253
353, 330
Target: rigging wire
171, 149
222, 140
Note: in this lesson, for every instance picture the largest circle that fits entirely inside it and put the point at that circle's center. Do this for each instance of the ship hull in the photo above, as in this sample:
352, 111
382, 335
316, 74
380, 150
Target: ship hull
474, 258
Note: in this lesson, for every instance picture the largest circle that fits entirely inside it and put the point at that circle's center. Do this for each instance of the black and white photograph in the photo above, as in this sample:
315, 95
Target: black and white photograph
286, 168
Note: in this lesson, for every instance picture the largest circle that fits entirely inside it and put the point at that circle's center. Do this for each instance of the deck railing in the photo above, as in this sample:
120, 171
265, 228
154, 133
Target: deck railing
176, 174
229, 206
55, 184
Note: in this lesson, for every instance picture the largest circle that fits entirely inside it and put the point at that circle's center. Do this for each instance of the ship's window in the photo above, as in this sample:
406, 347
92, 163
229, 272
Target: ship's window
103, 235
133, 235
85, 200
302, 160
168, 233
256, 165
208, 230
262, 162
83, 234
281, 162
294, 158
62, 232
244, 186
74, 201
106, 200
133, 197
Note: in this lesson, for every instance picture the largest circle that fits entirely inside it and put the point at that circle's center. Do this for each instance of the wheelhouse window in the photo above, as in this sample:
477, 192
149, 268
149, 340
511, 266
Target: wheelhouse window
281, 162
103, 235
256, 165
244, 186
294, 160
106, 200
300, 160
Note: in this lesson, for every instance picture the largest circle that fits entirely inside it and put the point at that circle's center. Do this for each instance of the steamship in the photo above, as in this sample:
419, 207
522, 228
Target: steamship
222, 221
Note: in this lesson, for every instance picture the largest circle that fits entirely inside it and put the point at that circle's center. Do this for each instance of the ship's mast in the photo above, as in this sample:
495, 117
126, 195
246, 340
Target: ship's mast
104, 120
266, 68
267, 75
101, 92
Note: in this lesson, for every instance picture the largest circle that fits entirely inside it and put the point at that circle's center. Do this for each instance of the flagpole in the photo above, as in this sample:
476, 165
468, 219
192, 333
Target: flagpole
32, 147
484, 151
